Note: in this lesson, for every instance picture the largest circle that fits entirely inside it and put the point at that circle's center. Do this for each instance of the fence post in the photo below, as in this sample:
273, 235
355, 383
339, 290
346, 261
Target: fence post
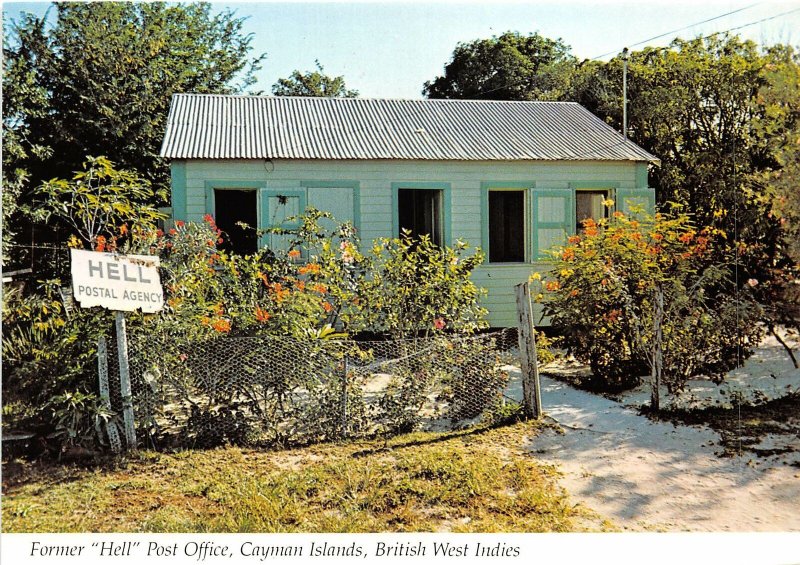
531, 390
344, 396
125, 381
105, 395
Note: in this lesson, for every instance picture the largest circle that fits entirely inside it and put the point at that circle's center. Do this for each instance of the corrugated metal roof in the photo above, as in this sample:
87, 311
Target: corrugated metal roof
208, 126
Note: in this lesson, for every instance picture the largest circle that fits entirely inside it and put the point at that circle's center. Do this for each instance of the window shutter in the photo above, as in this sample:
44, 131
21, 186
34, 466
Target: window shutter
276, 207
553, 220
636, 202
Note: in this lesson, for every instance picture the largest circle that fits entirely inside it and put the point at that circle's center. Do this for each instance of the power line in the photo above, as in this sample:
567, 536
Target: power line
678, 30
515, 83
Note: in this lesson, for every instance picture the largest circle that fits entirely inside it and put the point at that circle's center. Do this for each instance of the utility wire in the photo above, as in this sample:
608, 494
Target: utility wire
678, 30
515, 83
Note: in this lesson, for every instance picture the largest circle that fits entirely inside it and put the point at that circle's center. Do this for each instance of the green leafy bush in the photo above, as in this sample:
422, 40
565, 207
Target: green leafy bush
414, 287
629, 295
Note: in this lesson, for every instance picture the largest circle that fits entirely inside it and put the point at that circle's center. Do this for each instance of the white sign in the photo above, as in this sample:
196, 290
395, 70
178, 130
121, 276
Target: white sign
116, 282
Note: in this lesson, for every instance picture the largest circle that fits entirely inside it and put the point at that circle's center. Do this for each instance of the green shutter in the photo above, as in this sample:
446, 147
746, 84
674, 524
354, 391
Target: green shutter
553, 220
636, 202
277, 206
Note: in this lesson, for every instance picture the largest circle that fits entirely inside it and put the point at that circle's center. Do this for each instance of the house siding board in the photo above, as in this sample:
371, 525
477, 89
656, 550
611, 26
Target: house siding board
375, 178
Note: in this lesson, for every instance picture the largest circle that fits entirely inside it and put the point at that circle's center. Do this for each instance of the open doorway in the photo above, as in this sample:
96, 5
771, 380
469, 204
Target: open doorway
232, 207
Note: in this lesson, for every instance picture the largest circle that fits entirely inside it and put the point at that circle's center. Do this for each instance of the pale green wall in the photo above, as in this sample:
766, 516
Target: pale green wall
373, 183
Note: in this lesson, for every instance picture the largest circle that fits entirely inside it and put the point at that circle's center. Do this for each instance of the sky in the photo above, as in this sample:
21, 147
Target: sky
389, 49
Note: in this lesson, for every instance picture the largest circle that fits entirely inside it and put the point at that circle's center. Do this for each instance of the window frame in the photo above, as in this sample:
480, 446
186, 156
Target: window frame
610, 189
508, 186
211, 186
445, 214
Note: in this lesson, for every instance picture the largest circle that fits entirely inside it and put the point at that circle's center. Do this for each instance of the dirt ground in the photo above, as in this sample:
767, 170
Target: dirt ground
663, 476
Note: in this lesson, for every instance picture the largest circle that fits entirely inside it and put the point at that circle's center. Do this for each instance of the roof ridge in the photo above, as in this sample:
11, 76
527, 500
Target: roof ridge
372, 99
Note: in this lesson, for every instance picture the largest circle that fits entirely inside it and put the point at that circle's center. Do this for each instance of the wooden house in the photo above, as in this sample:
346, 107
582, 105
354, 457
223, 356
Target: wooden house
514, 178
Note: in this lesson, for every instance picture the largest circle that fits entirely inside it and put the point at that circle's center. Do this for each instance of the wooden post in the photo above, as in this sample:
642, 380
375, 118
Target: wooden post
125, 381
344, 397
531, 389
105, 395
658, 339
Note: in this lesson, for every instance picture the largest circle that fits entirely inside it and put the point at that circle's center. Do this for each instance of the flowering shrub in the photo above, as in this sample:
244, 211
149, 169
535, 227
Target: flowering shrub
417, 288
634, 295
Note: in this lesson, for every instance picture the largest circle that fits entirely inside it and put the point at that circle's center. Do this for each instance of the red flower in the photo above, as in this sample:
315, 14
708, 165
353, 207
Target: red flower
179, 223
439, 323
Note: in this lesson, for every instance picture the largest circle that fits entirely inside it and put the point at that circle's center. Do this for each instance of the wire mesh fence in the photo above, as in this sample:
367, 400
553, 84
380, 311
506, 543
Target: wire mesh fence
278, 390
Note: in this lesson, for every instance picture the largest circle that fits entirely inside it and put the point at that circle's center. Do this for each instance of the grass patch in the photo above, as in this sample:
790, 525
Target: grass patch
470, 481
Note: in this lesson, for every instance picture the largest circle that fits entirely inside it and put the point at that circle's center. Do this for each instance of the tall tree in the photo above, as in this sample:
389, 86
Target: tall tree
314, 84
509, 67
102, 75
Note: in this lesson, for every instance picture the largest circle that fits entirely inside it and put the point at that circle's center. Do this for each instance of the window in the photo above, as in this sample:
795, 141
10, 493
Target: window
232, 207
589, 204
506, 226
420, 212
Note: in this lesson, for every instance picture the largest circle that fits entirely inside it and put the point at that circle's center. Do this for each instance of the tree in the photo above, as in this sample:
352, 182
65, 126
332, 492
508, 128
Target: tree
717, 111
509, 67
101, 78
314, 84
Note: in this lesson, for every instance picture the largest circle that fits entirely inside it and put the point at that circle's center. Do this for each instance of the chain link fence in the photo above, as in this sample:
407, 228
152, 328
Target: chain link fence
277, 390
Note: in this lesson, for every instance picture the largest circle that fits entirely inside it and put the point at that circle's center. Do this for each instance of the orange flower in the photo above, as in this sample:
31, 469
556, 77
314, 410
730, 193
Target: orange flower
221, 325
209, 219
574, 239
205, 320
301, 285
552, 286
686, 237
280, 292
439, 323
574, 292
180, 223
123, 229
619, 214
636, 236
264, 279
173, 231
101, 243
590, 231
294, 253
568, 254
604, 282
614, 315
310, 268
327, 306
321, 288
657, 236
160, 233
262, 315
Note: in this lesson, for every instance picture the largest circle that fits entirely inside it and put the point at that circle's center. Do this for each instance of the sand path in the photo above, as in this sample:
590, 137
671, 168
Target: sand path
647, 475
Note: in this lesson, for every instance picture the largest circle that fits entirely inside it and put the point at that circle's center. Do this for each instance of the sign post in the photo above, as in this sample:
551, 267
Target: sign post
122, 284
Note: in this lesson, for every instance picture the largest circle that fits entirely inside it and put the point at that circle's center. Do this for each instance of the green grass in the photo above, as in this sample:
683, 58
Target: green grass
475, 481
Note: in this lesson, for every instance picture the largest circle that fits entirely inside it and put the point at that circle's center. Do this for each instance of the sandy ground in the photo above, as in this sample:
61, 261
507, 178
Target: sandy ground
646, 475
